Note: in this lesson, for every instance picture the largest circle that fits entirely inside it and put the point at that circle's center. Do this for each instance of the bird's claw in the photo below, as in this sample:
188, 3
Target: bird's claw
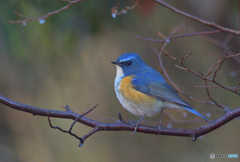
135, 129
159, 129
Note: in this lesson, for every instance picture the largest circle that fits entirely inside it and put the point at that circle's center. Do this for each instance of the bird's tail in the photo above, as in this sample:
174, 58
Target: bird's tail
196, 113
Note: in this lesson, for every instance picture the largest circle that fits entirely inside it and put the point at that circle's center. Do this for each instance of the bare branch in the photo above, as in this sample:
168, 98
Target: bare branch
177, 36
201, 21
174, 85
209, 97
114, 10
217, 87
235, 89
239, 13
71, 127
120, 126
200, 75
220, 65
42, 19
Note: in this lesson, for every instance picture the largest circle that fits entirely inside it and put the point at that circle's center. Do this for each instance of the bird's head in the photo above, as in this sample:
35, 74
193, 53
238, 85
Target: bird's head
129, 63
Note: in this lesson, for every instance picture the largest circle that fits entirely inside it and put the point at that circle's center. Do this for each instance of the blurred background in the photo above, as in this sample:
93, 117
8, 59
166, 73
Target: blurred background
67, 59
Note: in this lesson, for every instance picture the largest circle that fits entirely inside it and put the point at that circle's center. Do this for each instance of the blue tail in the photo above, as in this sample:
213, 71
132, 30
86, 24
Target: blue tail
195, 112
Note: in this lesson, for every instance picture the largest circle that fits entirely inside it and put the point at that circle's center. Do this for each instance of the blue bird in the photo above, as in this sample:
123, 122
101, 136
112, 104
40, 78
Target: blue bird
142, 90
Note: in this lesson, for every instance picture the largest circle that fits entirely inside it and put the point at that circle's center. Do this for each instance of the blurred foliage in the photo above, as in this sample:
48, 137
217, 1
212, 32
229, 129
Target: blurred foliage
66, 60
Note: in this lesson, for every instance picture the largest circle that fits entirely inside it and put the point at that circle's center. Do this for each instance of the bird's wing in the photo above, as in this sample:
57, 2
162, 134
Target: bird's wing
161, 90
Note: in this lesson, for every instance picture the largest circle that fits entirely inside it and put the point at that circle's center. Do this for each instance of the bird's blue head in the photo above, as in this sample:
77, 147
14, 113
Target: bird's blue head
129, 63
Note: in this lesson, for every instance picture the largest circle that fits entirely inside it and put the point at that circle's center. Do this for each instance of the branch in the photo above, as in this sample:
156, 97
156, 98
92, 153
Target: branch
114, 10
176, 36
222, 59
71, 127
239, 13
201, 21
121, 125
42, 19
176, 87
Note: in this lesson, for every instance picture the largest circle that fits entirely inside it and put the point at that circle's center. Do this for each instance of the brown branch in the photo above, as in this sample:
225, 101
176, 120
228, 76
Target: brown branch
120, 126
201, 21
175, 86
42, 19
218, 87
235, 89
239, 13
223, 45
210, 98
200, 75
220, 65
176, 36
73, 123
114, 10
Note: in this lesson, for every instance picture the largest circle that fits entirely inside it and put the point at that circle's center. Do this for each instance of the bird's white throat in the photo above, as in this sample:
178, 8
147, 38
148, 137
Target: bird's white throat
119, 75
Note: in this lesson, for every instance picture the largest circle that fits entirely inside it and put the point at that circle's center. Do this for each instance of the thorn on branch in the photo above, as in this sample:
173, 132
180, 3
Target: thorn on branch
194, 138
227, 110
121, 118
67, 108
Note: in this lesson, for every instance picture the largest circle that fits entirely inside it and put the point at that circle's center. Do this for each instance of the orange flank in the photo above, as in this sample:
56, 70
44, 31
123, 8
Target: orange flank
129, 93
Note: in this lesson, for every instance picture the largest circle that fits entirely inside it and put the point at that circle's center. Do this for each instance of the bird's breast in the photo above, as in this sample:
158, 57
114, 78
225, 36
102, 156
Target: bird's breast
134, 101
126, 88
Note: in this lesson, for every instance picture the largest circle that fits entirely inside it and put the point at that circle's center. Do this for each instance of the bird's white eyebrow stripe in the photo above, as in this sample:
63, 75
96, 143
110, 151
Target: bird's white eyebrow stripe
127, 59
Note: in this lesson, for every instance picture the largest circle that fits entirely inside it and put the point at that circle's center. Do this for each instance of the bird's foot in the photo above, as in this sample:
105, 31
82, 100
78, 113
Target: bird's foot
136, 124
159, 129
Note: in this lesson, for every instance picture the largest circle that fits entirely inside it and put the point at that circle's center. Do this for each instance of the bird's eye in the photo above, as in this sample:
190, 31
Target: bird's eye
129, 62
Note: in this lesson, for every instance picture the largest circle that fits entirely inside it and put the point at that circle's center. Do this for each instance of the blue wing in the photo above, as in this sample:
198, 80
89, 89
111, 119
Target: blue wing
158, 89
162, 90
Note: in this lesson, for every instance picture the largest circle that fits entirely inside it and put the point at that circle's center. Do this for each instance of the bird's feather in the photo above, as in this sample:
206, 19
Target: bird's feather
160, 90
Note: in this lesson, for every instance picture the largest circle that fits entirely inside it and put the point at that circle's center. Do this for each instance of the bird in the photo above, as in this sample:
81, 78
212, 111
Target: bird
143, 91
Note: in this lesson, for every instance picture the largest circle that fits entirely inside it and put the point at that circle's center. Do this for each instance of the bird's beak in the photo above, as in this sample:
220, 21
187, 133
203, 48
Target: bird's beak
113, 62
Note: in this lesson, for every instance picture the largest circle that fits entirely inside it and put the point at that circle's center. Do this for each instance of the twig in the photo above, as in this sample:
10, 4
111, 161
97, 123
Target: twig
220, 65
175, 86
201, 21
199, 75
176, 36
209, 97
239, 13
42, 19
222, 44
114, 10
71, 127
235, 89
218, 87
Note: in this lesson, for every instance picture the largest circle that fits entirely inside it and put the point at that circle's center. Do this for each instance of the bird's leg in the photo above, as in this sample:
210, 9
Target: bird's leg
159, 124
137, 124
